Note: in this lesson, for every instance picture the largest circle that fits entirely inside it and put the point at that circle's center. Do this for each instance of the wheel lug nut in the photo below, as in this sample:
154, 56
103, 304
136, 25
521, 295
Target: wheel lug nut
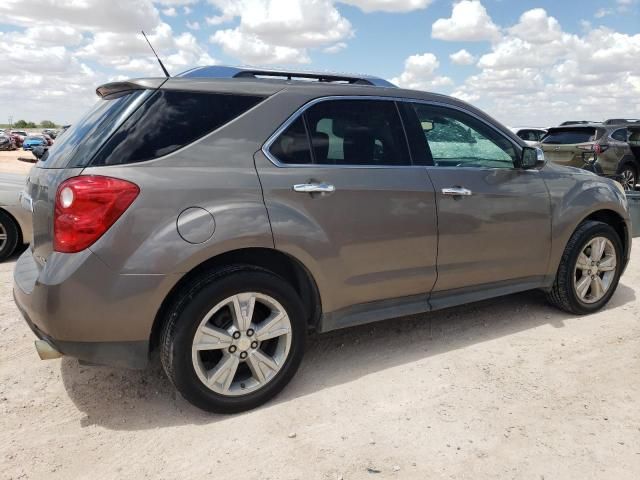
243, 355
236, 335
254, 344
232, 349
250, 332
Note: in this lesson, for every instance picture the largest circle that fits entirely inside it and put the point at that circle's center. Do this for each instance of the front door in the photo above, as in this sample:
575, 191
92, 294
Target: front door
344, 199
493, 218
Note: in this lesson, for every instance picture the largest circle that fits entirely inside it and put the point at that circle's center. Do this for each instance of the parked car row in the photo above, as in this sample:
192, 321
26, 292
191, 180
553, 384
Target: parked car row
14, 139
610, 148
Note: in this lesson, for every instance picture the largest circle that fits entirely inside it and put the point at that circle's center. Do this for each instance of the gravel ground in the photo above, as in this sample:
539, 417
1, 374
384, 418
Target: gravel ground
507, 388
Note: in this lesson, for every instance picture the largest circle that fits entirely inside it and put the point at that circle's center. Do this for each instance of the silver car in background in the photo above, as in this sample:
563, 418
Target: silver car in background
15, 220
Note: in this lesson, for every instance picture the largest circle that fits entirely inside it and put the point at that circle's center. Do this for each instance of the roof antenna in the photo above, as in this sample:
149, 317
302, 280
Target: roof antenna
154, 52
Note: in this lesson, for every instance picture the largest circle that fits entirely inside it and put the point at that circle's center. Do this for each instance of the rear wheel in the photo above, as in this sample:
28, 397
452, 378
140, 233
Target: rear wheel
9, 236
629, 176
589, 270
234, 339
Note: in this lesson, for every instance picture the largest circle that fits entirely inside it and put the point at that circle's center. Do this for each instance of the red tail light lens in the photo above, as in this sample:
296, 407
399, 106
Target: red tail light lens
86, 207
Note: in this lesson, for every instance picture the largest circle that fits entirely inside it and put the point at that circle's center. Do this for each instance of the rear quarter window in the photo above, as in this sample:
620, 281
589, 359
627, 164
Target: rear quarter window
169, 120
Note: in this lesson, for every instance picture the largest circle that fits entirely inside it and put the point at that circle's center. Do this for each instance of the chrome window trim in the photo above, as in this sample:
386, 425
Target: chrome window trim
272, 138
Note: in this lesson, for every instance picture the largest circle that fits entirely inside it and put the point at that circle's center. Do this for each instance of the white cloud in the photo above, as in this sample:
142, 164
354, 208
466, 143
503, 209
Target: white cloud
193, 25
603, 12
419, 73
169, 12
278, 31
338, 47
538, 73
388, 5
536, 26
462, 57
469, 21
187, 10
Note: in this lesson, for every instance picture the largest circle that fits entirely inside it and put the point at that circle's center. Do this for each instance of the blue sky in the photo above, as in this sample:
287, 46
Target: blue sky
523, 61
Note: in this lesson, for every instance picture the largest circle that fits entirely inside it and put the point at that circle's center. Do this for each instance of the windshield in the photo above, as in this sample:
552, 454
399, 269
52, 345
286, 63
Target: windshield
570, 136
84, 138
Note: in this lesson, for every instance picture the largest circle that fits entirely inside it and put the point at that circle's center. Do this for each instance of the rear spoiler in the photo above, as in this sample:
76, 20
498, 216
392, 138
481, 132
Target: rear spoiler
128, 85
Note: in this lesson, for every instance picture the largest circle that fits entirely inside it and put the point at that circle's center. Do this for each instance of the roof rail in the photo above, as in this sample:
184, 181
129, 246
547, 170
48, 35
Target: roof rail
219, 71
621, 121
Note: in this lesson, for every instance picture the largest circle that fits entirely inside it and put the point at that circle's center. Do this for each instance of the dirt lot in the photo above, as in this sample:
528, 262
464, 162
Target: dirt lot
9, 162
507, 388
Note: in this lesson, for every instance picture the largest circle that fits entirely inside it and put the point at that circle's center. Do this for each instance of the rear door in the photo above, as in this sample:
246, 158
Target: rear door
352, 208
493, 218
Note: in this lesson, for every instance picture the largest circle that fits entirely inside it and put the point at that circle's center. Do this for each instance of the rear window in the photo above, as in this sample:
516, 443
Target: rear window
570, 136
168, 121
84, 137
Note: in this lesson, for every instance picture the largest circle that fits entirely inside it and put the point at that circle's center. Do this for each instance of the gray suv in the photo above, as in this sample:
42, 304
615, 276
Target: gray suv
222, 215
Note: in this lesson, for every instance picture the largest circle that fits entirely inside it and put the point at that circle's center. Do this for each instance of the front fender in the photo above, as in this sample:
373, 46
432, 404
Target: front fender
576, 196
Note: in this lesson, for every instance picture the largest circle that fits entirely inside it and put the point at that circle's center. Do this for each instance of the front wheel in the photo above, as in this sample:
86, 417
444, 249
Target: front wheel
234, 339
589, 270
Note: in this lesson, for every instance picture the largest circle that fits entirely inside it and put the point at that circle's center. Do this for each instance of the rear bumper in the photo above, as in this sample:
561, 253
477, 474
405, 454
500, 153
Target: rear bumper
87, 311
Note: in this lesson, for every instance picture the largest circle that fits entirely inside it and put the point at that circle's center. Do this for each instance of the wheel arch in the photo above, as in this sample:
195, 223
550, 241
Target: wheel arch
282, 264
615, 220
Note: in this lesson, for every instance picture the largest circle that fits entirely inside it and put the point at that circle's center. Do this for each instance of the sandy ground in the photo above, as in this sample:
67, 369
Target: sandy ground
9, 162
507, 388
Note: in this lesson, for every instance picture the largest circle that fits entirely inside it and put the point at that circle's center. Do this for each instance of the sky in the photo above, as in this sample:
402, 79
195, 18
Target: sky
527, 63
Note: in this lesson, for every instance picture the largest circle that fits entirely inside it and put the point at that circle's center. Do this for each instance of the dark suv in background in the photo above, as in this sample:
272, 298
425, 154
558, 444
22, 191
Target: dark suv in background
605, 144
219, 220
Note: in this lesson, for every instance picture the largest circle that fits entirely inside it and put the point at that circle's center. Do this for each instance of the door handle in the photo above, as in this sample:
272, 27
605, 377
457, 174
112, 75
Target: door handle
457, 192
314, 188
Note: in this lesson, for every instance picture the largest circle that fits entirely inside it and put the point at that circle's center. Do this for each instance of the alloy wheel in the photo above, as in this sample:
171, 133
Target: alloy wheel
241, 344
595, 269
628, 179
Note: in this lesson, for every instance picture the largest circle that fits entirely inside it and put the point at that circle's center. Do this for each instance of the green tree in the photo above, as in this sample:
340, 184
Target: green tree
31, 125
47, 124
20, 124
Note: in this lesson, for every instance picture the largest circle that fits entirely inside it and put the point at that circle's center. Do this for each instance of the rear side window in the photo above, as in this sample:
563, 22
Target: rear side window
169, 120
292, 146
357, 132
570, 136
620, 135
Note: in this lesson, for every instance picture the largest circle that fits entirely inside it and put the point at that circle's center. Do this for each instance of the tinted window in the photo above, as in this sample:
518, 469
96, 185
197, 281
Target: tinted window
529, 135
168, 121
83, 138
292, 146
357, 132
570, 136
620, 135
457, 139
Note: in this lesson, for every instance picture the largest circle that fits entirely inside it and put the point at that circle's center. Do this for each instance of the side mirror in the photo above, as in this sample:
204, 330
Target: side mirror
38, 151
531, 158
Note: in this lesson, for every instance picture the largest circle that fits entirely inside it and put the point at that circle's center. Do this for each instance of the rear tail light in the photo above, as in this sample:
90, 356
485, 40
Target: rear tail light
86, 207
600, 148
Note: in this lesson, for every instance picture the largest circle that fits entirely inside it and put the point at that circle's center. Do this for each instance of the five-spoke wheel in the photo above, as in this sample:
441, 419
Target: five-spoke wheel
233, 339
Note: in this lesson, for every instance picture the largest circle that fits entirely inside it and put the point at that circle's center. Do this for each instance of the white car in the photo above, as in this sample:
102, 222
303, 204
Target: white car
15, 219
531, 135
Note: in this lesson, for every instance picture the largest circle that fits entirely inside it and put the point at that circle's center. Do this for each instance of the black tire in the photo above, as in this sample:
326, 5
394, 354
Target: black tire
184, 317
629, 170
563, 294
10, 244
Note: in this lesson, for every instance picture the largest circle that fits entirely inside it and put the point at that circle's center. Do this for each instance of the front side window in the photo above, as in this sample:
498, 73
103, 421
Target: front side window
456, 139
